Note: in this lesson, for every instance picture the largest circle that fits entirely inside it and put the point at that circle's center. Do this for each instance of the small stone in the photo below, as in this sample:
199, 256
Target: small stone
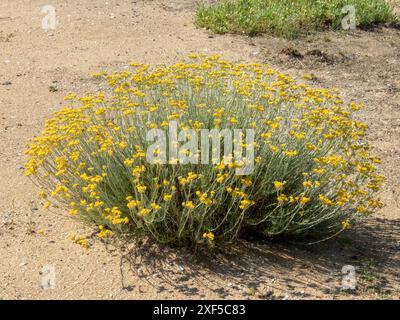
269, 294
7, 83
53, 89
180, 268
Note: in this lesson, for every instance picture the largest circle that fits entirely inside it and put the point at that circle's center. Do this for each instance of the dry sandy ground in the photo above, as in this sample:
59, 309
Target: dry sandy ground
95, 35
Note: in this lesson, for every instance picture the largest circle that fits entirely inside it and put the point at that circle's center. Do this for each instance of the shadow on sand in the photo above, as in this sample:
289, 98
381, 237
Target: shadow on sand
270, 270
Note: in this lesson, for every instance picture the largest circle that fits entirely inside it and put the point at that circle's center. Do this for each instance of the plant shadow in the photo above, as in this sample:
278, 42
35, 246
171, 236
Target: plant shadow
275, 270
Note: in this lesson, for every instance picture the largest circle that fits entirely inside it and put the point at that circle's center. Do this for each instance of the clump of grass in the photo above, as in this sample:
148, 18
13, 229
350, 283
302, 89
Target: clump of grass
288, 18
313, 172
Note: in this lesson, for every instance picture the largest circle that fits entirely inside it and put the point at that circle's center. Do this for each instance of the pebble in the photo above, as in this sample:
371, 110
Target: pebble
181, 269
6, 83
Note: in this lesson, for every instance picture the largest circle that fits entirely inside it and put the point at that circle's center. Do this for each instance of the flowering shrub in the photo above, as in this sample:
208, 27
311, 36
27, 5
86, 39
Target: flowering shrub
313, 173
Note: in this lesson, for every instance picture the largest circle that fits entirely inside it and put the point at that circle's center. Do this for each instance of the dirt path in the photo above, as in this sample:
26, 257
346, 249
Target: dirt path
37, 69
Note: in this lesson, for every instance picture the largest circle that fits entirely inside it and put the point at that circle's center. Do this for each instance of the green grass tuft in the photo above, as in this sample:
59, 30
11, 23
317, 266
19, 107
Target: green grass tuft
288, 18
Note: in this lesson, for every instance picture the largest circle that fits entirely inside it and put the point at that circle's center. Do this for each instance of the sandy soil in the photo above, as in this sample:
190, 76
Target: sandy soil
37, 69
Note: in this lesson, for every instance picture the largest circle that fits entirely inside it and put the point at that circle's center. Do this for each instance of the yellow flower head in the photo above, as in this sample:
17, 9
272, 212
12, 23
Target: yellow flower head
326, 200
141, 188
46, 205
346, 224
188, 204
279, 184
167, 197
209, 236
155, 206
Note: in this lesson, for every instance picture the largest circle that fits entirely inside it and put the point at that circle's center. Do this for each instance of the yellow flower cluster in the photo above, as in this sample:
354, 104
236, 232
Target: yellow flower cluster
209, 236
81, 240
104, 232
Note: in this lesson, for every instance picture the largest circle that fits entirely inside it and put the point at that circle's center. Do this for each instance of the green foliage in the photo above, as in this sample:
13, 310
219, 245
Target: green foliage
288, 18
